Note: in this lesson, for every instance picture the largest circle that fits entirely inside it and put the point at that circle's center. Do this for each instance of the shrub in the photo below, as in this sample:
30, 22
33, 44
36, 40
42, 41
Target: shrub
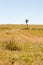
13, 46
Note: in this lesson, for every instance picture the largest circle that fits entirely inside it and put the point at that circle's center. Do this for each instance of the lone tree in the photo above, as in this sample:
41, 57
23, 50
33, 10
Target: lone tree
26, 23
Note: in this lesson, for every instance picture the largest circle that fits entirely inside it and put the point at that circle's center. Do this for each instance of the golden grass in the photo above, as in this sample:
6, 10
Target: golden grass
28, 44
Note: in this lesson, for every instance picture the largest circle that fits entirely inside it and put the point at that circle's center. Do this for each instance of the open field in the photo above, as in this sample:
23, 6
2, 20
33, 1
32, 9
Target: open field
21, 46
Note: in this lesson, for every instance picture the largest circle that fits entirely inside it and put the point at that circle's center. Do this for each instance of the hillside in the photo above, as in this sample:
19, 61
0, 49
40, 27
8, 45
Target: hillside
21, 46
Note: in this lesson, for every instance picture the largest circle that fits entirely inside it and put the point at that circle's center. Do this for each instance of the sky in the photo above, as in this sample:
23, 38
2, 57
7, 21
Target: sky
17, 11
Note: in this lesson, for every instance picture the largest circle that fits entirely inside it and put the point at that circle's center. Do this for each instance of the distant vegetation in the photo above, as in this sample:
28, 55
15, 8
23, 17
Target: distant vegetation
26, 23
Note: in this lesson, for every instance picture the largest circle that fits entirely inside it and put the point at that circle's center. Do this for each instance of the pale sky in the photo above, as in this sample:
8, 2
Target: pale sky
16, 11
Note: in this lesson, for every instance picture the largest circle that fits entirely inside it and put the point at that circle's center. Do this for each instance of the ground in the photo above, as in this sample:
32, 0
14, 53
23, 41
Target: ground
21, 46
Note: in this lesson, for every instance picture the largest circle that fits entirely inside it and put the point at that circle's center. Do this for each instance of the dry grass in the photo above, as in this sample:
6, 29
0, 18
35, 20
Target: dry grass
19, 46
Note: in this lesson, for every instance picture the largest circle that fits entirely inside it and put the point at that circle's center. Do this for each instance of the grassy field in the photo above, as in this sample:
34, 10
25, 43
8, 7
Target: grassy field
21, 46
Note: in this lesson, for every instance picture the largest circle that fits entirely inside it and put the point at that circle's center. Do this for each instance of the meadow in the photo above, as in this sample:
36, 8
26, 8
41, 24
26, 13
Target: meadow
21, 46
